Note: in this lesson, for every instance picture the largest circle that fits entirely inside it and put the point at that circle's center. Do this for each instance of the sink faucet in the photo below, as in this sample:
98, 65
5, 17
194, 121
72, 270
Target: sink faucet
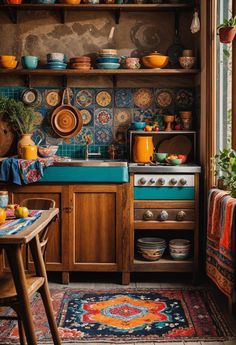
87, 153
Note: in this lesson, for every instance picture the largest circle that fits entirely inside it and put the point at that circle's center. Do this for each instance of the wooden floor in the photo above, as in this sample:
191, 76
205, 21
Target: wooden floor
146, 281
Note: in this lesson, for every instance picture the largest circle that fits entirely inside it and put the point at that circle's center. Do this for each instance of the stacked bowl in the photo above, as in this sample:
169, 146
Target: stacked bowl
81, 62
56, 61
108, 59
8, 61
151, 248
179, 249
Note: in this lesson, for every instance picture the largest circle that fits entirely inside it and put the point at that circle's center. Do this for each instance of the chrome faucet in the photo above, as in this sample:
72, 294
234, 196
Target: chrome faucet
87, 153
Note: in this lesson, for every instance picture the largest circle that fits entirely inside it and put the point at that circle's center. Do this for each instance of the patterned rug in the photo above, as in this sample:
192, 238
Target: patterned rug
137, 315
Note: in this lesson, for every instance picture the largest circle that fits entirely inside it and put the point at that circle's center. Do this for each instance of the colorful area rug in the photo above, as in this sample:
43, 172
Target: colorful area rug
146, 315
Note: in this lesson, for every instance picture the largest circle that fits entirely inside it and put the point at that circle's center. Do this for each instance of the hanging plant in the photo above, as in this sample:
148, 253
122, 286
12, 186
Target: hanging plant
227, 30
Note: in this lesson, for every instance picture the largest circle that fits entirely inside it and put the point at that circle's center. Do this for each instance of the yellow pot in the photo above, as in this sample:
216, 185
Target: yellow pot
24, 140
29, 152
155, 60
143, 149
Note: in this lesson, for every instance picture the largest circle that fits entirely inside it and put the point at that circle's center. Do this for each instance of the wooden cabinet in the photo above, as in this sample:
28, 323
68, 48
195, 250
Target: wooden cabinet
92, 231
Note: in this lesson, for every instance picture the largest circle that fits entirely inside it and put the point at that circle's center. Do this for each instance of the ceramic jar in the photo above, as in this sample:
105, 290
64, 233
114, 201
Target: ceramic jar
187, 62
29, 152
3, 199
132, 63
186, 119
24, 140
143, 149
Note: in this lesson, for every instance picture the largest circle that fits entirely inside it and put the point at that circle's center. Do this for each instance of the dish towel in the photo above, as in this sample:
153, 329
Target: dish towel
220, 251
20, 171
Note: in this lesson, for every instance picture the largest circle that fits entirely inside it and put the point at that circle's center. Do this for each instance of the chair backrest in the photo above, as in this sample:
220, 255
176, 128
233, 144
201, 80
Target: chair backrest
40, 204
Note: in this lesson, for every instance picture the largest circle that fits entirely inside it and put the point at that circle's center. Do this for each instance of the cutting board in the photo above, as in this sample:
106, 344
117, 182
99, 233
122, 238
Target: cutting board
7, 138
179, 144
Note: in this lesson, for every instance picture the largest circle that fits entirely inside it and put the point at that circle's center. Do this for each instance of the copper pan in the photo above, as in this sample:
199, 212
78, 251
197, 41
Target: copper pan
66, 120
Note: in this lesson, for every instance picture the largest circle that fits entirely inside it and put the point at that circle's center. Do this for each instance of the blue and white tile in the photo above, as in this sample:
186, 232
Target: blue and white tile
103, 135
123, 98
84, 98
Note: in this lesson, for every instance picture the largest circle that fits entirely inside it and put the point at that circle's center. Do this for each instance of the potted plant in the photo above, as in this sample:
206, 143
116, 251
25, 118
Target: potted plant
225, 168
227, 30
21, 117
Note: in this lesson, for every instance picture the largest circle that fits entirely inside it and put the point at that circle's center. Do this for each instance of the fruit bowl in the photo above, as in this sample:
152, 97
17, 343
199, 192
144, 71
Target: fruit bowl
47, 151
175, 161
155, 60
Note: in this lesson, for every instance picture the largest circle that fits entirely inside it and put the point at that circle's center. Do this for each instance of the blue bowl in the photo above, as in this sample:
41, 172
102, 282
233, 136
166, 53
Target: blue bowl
107, 59
107, 55
138, 126
29, 62
107, 65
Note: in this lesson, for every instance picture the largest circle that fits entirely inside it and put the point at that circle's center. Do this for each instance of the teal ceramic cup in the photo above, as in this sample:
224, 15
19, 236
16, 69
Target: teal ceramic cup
160, 157
29, 61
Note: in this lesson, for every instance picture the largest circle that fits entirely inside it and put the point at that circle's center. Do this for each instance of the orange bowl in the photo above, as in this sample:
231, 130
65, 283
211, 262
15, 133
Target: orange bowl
7, 58
9, 64
71, 2
155, 61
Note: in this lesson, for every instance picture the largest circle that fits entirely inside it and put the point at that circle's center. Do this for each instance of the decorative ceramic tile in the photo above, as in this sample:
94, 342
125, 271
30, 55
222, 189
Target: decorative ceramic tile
143, 98
103, 135
39, 118
143, 114
120, 135
123, 98
53, 98
103, 116
86, 116
39, 136
184, 98
104, 98
84, 98
164, 98
122, 116
85, 132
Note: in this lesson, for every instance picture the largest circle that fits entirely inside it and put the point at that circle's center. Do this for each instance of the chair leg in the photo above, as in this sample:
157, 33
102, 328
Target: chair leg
45, 295
21, 332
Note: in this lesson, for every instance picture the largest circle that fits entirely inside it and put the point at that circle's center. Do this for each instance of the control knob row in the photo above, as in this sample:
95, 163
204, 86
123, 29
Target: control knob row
161, 181
163, 216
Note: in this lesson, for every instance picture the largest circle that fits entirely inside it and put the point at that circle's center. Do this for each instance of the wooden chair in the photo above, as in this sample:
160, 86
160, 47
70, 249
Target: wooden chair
8, 294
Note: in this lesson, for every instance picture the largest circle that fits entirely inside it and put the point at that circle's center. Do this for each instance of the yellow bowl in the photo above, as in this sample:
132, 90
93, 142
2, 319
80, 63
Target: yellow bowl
7, 58
9, 64
71, 2
155, 61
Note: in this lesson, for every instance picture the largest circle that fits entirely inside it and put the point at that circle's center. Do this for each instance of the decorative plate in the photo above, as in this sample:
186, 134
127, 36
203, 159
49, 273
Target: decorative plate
103, 135
86, 116
31, 97
53, 98
123, 98
143, 98
122, 116
84, 98
184, 98
38, 118
103, 98
164, 98
103, 116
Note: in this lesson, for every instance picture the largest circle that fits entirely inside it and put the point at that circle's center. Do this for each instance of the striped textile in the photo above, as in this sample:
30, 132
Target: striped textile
220, 258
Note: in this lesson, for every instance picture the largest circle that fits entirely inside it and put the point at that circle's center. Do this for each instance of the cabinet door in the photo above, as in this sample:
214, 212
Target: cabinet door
96, 227
56, 260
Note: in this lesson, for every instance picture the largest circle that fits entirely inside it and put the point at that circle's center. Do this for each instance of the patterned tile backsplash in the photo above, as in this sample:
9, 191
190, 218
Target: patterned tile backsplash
107, 114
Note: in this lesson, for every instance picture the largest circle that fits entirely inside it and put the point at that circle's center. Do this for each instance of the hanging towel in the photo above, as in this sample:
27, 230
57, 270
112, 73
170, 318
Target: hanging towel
220, 251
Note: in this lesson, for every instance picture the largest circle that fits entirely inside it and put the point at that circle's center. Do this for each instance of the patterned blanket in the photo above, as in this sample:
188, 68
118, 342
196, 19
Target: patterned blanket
220, 263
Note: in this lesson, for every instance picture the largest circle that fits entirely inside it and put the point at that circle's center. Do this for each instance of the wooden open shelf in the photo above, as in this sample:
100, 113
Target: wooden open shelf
115, 8
163, 265
167, 225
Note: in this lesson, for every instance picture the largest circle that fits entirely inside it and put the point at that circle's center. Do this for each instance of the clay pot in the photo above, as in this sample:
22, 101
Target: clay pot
227, 34
25, 139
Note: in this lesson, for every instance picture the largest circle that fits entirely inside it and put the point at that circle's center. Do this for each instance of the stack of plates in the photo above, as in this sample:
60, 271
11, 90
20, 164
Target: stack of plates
108, 59
56, 61
151, 248
81, 62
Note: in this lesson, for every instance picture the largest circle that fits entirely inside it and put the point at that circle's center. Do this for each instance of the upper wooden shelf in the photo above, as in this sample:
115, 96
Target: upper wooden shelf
116, 8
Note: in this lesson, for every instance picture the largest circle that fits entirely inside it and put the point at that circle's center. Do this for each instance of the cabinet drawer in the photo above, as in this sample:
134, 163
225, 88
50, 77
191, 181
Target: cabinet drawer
161, 214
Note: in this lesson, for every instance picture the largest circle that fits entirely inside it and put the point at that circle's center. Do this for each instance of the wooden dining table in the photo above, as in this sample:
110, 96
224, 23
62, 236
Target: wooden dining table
24, 285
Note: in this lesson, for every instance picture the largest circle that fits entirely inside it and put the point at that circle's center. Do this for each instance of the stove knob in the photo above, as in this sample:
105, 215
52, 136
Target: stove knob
161, 181
152, 181
163, 215
142, 180
173, 181
148, 215
180, 215
183, 181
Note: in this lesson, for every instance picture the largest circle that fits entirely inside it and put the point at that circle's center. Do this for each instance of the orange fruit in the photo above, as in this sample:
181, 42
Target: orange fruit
2, 216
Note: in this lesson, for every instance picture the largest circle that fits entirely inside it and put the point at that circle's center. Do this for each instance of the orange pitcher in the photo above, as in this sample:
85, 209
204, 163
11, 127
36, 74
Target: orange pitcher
143, 149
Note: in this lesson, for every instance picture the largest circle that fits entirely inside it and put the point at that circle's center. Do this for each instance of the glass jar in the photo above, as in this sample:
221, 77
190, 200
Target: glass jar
3, 199
143, 149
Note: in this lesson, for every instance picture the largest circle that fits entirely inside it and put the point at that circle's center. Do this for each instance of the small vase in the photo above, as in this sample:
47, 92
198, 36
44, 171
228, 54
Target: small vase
25, 139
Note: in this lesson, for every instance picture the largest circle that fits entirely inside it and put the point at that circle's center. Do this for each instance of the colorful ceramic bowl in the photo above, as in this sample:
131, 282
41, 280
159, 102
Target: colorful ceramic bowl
108, 65
7, 58
108, 59
71, 2
29, 62
138, 126
187, 62
8, 64
108, 51
160, 157
176, 161
56, 57
155, 60
47, 151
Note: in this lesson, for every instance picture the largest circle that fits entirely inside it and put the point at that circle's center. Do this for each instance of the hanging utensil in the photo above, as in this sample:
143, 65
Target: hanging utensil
66, 120
176, 49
